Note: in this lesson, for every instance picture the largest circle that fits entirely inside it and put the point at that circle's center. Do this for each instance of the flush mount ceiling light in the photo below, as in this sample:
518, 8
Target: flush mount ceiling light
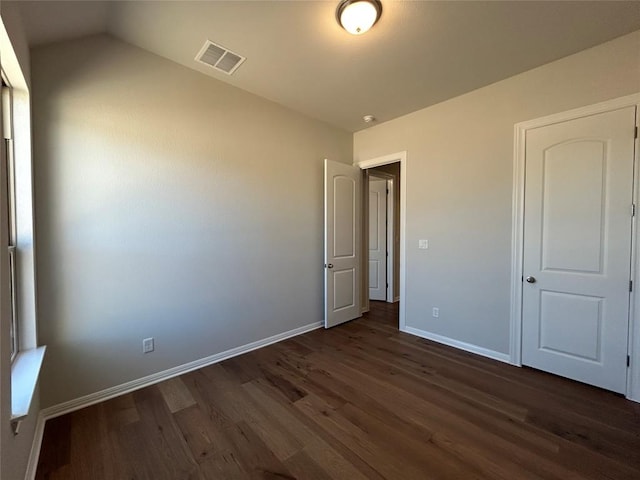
358, 16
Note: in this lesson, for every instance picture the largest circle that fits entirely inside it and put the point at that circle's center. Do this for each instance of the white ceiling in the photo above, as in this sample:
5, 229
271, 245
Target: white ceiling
418, 54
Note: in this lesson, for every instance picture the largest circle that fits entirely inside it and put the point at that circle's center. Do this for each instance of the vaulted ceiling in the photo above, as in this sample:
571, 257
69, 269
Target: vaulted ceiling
418, 54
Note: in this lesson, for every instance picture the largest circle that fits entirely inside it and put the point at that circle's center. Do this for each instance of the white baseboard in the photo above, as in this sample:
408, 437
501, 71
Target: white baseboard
111, 392
467, 347
34, 455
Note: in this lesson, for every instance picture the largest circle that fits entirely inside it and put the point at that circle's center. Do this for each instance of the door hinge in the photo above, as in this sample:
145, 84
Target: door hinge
631, 285
628, 361
633, 209
635, 133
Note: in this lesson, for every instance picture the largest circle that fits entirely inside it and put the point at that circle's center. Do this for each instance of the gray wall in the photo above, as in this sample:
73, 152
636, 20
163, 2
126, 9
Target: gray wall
168, 205
459, 185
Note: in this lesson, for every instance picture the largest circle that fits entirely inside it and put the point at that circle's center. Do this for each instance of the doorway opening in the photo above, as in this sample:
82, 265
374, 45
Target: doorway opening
346, 278
384, 197
383, 224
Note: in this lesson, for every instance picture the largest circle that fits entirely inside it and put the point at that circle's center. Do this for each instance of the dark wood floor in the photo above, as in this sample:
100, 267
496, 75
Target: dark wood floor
360, 401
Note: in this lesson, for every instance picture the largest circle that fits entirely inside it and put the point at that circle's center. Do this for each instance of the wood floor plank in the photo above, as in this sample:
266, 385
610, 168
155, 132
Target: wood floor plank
443, 414
201, 434
57, 455
176, 394
424, 456
273, 430
320, 445
361, 401
302, 465
90, 428
412, 380
121, 411
256, 458
352, 437
217, 403
223, 466
155, 447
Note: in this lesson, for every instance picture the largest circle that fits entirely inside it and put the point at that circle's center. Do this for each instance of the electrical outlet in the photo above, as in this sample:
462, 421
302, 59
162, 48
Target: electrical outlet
436, 312
423, 244
147, 345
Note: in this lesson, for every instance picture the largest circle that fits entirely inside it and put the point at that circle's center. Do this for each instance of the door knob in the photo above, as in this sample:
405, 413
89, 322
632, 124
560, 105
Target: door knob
531, 279
328, 265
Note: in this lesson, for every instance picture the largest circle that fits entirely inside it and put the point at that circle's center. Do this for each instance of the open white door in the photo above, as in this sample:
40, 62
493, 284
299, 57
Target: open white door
342, 221
377, 239
577, 247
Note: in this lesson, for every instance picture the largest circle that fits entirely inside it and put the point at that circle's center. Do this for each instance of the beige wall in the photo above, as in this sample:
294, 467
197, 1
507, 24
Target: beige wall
459, 185
168, 205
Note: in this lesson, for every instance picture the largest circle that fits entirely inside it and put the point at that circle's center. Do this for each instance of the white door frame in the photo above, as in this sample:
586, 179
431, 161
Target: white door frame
391, 271
365, 230
385, 160
517, 239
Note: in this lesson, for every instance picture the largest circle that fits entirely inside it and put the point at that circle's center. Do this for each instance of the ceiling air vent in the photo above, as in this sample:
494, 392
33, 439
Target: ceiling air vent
220, 58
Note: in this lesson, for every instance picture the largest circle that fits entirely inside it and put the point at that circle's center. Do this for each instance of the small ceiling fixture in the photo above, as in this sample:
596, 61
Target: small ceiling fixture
358, 16
369, 118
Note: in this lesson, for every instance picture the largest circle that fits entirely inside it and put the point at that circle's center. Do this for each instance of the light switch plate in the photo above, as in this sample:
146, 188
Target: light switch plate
423, 244
148, 345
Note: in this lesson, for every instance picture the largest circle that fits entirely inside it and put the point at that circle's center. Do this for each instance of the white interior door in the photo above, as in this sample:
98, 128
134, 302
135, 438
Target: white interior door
342, 224
577, 247
377, 239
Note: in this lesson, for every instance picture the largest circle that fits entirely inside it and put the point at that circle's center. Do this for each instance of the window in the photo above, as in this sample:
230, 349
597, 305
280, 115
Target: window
18, 298
9, 164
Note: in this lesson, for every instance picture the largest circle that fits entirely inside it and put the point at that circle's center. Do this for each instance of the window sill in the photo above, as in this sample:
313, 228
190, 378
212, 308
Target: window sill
25, 370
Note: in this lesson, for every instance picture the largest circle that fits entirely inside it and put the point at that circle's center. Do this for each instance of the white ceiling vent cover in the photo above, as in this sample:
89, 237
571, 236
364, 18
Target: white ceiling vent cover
220, 58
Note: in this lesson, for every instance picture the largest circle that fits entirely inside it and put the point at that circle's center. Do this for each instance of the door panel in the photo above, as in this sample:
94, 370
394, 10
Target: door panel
577, 247
373, 276
377, 239
342, 223
574, 179
571, 324
344, 289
